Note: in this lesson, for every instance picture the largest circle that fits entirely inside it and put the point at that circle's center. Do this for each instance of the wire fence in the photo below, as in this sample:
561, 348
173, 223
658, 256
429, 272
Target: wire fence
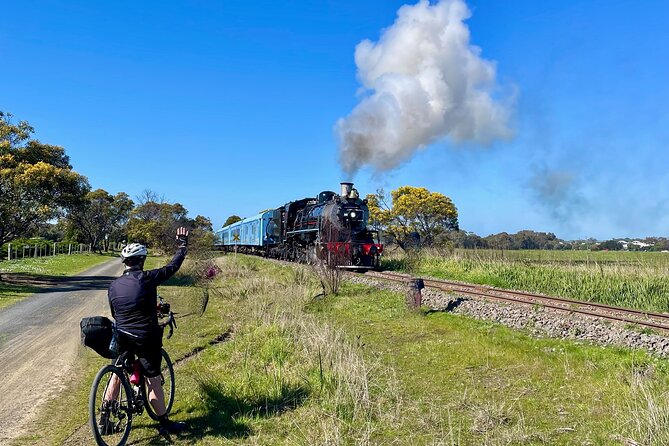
42, 248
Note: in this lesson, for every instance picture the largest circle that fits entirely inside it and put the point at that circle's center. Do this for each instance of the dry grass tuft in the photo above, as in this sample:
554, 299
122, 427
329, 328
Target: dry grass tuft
646, 413
492, 416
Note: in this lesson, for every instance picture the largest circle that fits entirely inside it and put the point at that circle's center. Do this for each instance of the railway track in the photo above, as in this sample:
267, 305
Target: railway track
658, 321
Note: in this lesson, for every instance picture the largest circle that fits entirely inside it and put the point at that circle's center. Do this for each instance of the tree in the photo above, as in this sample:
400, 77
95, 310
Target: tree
54, 232
154, 224
37, 183
499, 241
611, 245
100, 217
231, 220
201, 235
534, 240
467, 240
415, 213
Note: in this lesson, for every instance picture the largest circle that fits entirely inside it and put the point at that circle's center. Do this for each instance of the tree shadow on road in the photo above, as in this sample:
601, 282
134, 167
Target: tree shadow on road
10, 289
50, 284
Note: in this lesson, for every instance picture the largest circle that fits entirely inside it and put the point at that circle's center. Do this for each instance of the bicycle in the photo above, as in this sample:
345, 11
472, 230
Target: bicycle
120, 392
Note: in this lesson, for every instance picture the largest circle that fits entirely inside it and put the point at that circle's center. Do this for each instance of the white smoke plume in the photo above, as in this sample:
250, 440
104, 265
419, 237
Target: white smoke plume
423, 81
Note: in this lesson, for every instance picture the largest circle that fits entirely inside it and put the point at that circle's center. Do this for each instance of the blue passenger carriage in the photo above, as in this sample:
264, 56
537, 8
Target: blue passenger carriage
250, 234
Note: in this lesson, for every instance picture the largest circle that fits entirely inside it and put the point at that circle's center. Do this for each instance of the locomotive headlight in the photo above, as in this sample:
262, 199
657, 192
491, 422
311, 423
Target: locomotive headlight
353, 214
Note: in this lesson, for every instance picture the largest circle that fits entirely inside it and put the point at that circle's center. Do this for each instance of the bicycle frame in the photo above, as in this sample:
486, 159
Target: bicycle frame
135, 400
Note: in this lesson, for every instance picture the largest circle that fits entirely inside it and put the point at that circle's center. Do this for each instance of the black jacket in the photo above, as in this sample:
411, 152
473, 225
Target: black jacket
133, 298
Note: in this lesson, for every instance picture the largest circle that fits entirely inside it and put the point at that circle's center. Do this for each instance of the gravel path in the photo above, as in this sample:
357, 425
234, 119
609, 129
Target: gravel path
39, 341
537, 320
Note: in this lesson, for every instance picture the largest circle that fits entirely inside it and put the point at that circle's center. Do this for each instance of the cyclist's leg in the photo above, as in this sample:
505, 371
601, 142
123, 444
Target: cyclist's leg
150, 359
113, 388
157, 400
156, 395
112, 392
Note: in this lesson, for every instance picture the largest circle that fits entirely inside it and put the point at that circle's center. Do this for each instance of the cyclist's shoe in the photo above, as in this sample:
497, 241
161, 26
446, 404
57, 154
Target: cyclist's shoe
167, 426
105, 426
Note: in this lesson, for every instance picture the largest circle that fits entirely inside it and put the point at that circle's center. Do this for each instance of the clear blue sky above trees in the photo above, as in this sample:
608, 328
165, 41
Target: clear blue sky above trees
217, 104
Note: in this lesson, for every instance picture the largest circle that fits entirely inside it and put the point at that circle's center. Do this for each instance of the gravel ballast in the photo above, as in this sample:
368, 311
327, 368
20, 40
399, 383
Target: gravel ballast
537, 320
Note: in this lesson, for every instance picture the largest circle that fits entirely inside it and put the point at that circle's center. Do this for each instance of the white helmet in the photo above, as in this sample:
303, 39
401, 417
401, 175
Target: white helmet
134, 250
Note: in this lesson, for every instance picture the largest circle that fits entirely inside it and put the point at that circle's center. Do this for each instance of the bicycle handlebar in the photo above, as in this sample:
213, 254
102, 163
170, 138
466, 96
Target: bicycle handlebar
164, 309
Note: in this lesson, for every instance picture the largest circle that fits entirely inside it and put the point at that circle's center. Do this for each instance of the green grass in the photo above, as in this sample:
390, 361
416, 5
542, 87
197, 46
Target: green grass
359, 368
62, 265
566, 256
472, 382
43, 266
636, 280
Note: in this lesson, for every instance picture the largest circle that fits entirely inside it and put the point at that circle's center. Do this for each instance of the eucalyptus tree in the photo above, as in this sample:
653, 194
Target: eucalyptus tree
37, 182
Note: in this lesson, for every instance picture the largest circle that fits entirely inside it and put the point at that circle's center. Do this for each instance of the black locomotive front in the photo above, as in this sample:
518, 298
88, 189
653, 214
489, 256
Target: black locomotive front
331, 227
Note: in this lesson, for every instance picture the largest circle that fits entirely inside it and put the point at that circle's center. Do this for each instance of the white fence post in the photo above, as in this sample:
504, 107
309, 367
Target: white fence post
42, 250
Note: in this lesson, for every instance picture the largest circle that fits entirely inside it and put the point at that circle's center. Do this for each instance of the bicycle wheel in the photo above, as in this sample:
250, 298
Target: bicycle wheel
167, 380
110, 407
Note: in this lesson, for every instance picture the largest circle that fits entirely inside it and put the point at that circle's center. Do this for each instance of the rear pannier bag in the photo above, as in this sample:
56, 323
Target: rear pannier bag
96, 333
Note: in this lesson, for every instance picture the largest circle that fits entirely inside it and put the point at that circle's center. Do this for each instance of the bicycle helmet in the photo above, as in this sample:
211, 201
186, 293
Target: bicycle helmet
134, 250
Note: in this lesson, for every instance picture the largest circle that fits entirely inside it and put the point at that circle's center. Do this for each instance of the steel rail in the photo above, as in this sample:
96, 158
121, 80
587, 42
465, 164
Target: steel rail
556, 303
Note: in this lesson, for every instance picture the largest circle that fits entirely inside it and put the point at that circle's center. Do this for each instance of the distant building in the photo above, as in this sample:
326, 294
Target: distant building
637, 244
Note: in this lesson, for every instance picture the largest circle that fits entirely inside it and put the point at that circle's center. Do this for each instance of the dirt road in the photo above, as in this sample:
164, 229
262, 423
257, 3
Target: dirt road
39, 341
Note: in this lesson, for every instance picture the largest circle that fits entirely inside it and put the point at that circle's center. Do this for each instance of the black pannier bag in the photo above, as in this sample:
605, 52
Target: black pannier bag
96, 333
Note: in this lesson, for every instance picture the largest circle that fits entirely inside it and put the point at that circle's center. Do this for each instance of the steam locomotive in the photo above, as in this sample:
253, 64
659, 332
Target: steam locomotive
331, 228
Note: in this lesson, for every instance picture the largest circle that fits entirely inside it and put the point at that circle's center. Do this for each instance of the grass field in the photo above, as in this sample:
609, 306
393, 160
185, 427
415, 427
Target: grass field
43, 266
569, 257
630, 279
359, 368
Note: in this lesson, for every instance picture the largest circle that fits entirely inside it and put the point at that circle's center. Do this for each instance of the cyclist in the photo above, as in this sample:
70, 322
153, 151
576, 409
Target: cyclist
133, 301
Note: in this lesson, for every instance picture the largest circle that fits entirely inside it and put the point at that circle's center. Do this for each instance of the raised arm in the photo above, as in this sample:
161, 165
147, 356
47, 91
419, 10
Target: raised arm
160, 275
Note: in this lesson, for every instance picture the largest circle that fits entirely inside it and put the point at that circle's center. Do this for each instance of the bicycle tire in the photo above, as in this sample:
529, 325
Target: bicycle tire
119, 410
167, 375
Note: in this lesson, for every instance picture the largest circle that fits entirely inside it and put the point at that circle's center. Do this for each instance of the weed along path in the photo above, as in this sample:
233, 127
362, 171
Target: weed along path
39, 341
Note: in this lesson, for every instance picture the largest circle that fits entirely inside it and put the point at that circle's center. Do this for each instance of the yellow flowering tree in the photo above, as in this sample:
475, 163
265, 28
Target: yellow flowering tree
412, 214
37, 183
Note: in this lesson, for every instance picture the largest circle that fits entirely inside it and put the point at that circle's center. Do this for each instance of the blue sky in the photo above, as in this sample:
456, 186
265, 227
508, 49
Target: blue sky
229, 107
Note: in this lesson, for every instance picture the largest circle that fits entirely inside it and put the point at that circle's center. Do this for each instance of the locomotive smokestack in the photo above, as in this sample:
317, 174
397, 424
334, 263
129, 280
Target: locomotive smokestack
346, 189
